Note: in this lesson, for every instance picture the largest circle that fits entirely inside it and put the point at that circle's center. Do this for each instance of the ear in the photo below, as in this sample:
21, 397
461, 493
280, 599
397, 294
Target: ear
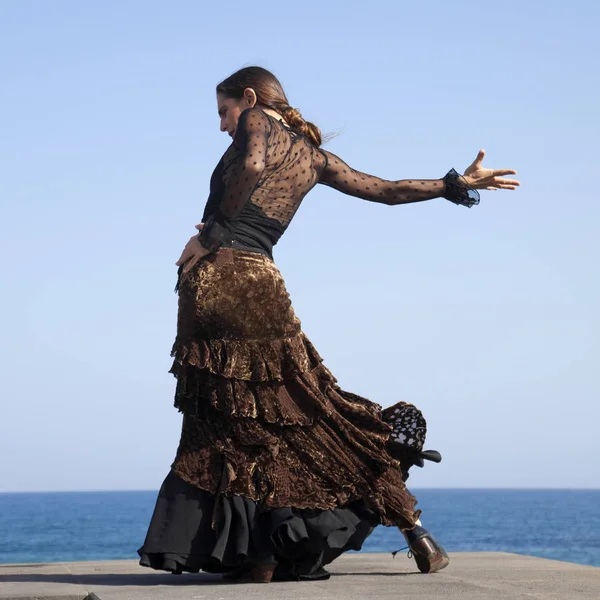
250, 97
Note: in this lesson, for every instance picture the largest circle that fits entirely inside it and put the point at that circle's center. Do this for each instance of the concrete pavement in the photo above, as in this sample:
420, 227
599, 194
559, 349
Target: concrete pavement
364, 576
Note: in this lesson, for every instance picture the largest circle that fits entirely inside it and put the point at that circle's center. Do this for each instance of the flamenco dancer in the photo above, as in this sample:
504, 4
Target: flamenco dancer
278, 470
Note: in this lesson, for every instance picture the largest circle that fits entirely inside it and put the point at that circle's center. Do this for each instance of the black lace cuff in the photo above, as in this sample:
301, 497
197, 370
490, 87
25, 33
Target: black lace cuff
214, 235
457, 190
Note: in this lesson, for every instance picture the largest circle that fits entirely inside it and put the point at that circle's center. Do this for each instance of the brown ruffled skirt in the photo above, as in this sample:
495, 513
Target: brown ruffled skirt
266, 428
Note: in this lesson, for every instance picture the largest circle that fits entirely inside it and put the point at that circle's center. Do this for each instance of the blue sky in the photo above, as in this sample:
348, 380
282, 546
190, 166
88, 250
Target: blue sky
487, 319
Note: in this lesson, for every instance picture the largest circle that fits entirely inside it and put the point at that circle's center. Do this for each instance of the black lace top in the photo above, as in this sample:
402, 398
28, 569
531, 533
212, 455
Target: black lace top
264, 175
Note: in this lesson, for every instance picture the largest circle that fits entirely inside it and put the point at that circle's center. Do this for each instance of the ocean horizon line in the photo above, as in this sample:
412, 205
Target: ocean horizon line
415, 489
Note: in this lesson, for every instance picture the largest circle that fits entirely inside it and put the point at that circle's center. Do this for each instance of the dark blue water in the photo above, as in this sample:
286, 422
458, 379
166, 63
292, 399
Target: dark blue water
72, 526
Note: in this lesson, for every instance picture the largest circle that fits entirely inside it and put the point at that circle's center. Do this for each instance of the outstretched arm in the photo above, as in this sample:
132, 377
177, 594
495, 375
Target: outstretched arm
454, 187
242, 175
342, 177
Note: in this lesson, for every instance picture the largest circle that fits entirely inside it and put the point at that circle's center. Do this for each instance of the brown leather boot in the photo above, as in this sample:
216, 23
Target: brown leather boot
258, 574
428, 553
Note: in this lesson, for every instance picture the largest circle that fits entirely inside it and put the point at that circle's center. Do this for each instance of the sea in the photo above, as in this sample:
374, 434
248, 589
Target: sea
77, 526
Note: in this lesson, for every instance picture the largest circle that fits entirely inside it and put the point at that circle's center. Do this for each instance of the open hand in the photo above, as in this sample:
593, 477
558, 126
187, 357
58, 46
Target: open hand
489, 179
193, 252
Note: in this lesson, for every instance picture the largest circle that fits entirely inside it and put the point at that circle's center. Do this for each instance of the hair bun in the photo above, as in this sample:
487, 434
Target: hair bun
293, 118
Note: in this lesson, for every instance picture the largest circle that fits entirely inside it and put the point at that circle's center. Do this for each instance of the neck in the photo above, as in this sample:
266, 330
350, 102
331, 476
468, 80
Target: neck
273, 113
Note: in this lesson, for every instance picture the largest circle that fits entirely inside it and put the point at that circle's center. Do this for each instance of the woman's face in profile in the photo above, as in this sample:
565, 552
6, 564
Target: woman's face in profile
230, 110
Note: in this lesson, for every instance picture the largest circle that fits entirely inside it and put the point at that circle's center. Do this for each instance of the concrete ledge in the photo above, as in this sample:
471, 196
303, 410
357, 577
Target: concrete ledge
470, 576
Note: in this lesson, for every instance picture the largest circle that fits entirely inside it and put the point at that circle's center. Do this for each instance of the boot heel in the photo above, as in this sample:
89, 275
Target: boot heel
263, 573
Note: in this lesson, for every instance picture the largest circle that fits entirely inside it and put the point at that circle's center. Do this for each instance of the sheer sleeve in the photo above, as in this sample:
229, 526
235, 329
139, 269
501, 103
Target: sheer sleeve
338, 175
242, 175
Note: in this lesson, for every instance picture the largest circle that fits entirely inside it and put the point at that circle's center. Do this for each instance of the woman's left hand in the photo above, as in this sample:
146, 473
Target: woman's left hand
192, 253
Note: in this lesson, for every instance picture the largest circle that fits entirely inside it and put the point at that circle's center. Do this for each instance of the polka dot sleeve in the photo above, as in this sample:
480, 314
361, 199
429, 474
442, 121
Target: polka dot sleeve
338, 175
242, 175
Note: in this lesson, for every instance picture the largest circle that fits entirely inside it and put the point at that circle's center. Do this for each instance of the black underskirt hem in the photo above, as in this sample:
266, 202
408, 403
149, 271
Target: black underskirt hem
181, 537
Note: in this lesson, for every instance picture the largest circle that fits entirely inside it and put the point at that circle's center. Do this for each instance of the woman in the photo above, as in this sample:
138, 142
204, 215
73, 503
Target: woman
278, 470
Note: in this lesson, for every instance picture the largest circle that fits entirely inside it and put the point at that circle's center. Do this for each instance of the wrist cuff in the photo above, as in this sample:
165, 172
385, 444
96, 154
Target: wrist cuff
214, 235
457, 190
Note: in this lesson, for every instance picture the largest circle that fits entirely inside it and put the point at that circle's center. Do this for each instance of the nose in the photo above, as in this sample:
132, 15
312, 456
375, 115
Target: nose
223, 125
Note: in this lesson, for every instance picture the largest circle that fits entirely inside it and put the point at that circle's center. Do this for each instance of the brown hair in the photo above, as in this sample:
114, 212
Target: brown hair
269, 94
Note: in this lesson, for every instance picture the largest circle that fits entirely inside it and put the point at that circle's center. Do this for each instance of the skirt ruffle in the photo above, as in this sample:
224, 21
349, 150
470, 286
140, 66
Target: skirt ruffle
287, 401
250, 360
181, 539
